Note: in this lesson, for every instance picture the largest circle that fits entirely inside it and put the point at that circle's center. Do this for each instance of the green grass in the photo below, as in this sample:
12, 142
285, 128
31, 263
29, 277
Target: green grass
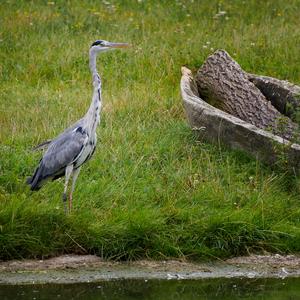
151, 190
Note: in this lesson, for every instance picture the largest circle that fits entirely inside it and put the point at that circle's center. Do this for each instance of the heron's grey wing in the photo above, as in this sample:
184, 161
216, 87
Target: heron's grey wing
44, 145
63, 151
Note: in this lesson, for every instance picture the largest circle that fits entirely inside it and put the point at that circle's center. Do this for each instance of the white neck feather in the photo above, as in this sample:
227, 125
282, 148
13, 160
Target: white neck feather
92, 117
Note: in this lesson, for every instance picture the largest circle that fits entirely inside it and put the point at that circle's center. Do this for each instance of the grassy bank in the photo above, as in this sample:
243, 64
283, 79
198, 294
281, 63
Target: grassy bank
151, 190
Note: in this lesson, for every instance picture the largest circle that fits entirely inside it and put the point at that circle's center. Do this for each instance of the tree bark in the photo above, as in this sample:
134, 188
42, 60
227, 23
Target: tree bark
222, 83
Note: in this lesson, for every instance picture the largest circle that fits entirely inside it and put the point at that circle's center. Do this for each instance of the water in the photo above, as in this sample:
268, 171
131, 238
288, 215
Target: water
208, 289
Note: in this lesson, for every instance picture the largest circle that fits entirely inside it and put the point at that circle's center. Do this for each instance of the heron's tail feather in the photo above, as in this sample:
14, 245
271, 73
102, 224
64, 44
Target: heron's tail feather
35, 181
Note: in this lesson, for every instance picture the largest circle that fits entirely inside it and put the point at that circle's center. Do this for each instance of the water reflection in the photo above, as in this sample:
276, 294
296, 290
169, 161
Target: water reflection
271, 289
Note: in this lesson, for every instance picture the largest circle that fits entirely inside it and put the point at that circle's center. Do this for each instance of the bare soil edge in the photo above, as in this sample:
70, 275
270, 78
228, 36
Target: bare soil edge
89, 268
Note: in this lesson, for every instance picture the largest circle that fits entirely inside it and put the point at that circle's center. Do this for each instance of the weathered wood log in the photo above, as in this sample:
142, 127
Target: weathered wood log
223, 83
217, 126
283, 95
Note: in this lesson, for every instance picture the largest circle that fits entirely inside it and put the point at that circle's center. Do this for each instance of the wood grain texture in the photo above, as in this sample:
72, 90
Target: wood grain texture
223, 83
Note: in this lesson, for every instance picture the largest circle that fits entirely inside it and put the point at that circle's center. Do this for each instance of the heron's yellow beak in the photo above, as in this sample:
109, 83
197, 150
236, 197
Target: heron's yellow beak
118, 45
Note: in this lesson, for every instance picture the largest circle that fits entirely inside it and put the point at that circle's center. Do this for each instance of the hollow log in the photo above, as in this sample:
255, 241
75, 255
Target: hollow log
214, 125
284, 96
222, 83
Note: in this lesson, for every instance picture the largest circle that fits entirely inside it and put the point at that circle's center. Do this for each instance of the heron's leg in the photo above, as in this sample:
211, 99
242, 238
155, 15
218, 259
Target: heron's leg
68, 173
75, 176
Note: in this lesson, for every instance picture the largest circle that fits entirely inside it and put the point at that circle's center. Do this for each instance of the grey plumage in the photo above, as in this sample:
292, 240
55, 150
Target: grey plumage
61, 152
76, 145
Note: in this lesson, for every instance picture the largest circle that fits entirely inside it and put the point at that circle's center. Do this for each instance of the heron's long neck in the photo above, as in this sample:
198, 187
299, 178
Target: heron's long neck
93, 114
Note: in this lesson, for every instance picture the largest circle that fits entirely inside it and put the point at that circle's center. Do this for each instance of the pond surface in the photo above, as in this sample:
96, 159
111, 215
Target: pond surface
271, 289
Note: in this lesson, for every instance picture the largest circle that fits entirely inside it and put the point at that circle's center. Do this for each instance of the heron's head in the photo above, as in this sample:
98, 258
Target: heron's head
102, 46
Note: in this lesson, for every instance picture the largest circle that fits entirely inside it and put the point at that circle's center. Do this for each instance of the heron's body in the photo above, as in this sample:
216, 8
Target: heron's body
76, 145
73, 147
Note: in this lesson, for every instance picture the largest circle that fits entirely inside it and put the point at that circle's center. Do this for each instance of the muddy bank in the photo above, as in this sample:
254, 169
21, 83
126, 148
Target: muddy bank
88, 268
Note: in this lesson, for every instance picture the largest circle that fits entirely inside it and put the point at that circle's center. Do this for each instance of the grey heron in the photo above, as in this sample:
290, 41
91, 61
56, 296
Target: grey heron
76, 145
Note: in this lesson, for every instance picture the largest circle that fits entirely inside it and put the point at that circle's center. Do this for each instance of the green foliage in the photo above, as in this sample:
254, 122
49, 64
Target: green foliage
152, 190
